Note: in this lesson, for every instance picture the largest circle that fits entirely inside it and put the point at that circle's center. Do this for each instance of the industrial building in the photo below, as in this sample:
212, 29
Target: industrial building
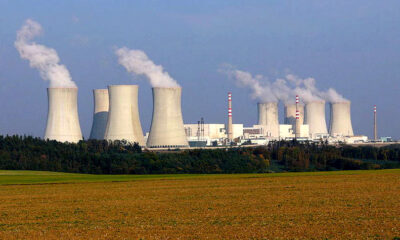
213, 134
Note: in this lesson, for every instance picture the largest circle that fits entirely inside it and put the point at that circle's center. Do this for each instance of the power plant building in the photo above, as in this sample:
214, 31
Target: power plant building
286, 132
62, 117
212, 132
123, 118
116, 117
100, 114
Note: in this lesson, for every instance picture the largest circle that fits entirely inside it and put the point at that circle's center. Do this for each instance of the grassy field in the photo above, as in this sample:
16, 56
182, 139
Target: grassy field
321, 205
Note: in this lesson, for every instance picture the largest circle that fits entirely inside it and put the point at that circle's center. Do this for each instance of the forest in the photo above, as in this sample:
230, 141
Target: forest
119, 157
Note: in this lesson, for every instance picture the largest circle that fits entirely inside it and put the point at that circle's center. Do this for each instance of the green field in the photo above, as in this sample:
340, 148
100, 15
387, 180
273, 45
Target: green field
9, 177
307, 205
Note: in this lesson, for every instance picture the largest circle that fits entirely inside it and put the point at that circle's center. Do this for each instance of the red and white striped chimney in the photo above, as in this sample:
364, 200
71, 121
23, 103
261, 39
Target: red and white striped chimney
230, 127
375, 127
297, 130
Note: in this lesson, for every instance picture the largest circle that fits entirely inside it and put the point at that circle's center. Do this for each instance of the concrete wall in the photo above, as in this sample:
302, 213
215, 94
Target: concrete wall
340, 123
167, 128
237, 130
100, 114
315, 118
123, 118
62, 118
268, 117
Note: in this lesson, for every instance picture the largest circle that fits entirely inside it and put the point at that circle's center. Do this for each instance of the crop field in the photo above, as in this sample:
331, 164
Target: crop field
321, 205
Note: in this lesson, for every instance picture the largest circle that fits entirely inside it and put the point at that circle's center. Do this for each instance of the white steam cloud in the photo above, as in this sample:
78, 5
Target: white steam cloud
283, 90
44, 59
260, 88
137, 62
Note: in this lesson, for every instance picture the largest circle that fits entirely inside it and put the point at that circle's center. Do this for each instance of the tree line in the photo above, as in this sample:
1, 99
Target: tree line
119, 157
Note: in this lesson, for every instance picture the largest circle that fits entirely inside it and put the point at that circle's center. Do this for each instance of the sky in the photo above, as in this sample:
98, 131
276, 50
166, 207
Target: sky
350, 45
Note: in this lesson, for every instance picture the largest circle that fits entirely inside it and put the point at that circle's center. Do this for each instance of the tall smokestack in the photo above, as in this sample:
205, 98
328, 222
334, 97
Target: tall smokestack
100, 114
230, 124
297, 132
375, 127
167, 130
123, 118
315, 118
268, 117
62, 118
340, 124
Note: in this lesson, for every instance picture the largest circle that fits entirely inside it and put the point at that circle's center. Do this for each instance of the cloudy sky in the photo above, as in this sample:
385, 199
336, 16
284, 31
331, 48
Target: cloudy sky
350, 45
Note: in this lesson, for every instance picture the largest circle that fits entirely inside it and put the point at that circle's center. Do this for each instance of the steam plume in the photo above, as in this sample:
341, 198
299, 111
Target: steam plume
305, 88
44, 59
137, 62
309, 92
332, 96
260, 88
283, 90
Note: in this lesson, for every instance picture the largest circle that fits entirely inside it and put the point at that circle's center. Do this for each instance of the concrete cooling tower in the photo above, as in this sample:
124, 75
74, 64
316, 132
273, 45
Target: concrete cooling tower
340, 124
100, 115
290, 114
62, 117
123, 117
268, 117
167, 129
315, 118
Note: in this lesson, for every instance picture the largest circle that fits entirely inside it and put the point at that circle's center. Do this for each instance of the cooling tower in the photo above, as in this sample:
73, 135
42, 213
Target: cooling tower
315, 118
62, 117
100, 115
123, 117
340, 124
290, 114
167, 123
268, 117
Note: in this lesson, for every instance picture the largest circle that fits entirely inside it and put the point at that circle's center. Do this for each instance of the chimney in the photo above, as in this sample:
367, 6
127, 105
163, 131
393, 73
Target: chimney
375, 127
298, 126
62, 117
230, 126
